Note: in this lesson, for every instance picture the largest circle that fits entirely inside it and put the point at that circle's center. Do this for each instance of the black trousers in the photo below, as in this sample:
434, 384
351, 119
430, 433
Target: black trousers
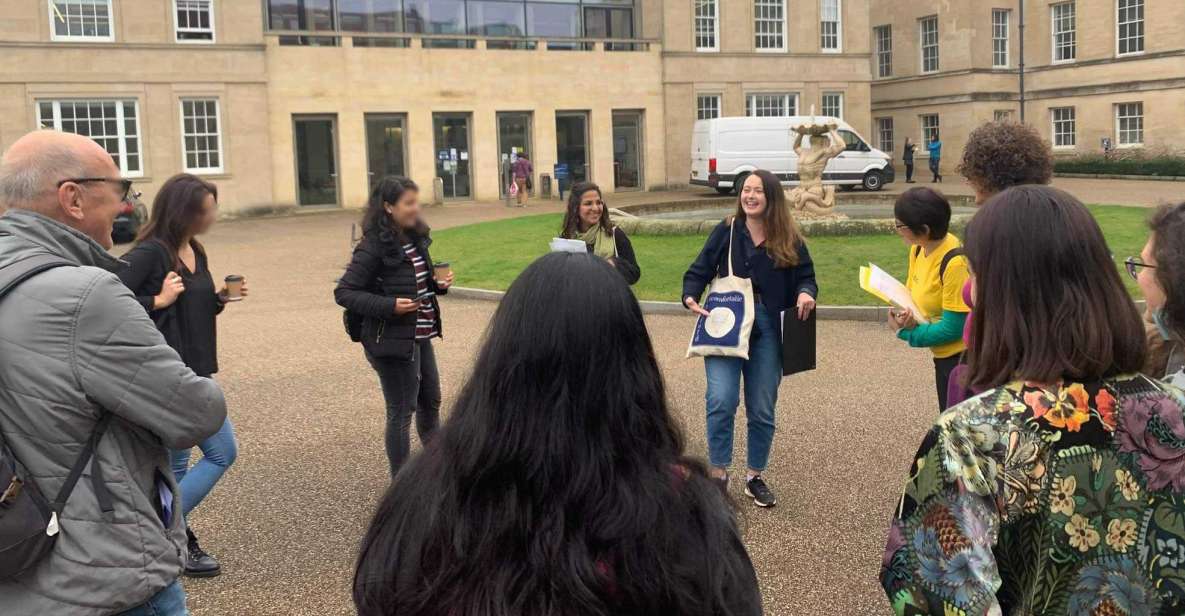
410, 388
942, 369
909, 171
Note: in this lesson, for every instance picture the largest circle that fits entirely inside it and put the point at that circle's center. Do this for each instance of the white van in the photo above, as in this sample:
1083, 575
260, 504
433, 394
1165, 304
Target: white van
725, 150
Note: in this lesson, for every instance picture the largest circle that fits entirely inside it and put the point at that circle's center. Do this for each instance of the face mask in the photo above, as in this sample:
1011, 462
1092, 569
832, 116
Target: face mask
1158, 319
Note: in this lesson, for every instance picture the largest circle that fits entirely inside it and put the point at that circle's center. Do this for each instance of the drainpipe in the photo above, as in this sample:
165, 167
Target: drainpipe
1022, 60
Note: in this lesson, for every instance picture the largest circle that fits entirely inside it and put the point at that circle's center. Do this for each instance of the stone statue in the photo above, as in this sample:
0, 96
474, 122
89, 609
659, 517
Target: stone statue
811, 195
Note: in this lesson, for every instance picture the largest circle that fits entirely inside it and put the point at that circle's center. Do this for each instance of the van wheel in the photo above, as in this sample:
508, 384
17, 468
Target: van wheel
739, 182
724, 191
874, 180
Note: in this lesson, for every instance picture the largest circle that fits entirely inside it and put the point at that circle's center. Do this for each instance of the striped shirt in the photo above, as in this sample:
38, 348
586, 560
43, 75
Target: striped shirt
426, 318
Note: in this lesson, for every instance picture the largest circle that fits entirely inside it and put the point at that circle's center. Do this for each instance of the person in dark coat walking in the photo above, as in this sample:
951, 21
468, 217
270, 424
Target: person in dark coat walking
390, 285
910, 148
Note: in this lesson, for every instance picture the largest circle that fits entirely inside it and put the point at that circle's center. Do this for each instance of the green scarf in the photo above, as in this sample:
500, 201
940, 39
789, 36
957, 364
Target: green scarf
602, 242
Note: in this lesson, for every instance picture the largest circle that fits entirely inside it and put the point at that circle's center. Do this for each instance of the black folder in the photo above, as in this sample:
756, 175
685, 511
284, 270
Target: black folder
798, 342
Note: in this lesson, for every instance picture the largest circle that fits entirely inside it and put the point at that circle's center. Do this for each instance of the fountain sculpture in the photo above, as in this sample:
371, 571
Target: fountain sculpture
811, 196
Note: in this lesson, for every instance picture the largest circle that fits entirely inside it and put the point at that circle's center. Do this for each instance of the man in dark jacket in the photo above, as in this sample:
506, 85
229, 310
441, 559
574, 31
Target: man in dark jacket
74, 342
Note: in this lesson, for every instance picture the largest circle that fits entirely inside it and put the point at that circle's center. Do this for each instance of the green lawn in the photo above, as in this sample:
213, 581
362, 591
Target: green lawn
491, 255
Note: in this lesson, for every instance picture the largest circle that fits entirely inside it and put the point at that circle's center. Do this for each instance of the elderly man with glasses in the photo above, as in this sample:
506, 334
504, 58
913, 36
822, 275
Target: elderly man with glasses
82, 369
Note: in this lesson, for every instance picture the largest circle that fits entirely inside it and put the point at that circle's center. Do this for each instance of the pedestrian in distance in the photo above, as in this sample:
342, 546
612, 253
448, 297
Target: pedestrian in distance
935, 150
1050, 493
910, 148
523, 170
88, 384
937, 275
169, 273
560, 483
760, 242
391, 286
587, 219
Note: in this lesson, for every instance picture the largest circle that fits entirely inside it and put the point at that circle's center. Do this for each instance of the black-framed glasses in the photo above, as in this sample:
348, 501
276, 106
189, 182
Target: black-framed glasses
1133, 265
125, 186
899, 226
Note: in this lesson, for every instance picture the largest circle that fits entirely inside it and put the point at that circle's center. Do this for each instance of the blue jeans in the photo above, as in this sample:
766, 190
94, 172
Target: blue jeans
762, 374
218, 453
168, 602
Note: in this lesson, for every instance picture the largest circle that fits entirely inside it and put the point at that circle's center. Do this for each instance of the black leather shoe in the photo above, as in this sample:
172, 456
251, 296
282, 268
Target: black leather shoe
199, 564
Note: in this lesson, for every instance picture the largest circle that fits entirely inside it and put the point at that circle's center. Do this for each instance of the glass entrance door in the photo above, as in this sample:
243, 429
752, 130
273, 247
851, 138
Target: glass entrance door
627, 150
384, 147
452, 153
316, 159
571, 138
514, 139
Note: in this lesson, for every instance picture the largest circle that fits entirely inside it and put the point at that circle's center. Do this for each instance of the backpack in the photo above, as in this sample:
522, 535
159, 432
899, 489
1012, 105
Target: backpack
946, 259
28, 521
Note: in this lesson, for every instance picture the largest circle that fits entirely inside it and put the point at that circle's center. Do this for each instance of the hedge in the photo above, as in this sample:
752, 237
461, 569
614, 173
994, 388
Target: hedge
1123, 164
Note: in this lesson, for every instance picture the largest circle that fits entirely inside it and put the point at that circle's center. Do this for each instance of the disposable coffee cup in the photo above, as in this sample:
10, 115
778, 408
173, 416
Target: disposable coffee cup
234, 288
442, 270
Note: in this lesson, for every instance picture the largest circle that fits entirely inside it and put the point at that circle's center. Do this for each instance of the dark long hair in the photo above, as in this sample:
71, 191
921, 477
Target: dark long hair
1049, 300
376, 222
572, 215
1168, 248
175, 211
782, 237
559, 484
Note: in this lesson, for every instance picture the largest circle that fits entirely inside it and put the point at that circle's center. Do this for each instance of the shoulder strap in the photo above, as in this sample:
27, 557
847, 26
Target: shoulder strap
946, 259
730, 229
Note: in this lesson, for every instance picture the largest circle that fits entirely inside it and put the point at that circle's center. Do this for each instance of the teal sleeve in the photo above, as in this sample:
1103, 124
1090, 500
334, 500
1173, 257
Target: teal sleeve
943, 331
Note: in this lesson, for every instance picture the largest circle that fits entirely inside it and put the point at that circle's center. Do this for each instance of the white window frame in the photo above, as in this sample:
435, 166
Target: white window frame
1057, 122
700, 96
120, 131
177, 29
1007, 38
884, 125
1118, 29
218, 136
1073, 32
53, 30
922, 45
823, 103
937, 127
785, 35
790, 101
1003, 115
1119, 133
884, 56
695, 23
838, 27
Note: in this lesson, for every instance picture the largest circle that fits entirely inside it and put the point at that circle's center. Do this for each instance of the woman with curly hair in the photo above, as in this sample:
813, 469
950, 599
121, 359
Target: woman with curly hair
1160, 270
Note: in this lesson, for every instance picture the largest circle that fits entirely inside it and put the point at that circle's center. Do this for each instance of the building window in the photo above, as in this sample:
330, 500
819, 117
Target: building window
884, 51
707, 25
1129, 124
1000, 21
769, 24
771, 105
195, 20
1065, 32
113, 124
928, 29
201, 135
82, 20
1130, 20
707, 106
884, 129
833, 104
1065, 126
1002, 115
929, 124
831, 25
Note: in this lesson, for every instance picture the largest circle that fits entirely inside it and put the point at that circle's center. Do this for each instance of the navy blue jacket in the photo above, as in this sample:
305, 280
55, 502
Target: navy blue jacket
779, 287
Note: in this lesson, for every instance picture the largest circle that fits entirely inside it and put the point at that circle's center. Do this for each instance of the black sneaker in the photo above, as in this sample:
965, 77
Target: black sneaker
762, 496
199, 564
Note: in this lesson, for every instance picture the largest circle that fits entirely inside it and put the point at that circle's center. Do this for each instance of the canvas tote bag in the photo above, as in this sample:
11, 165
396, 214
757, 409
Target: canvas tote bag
725, 331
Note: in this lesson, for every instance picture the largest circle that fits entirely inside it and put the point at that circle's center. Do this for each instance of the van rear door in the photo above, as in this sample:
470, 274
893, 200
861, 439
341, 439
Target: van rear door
701, 152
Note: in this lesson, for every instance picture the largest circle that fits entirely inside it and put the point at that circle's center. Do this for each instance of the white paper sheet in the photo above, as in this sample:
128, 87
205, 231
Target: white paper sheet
897, 293
560, 244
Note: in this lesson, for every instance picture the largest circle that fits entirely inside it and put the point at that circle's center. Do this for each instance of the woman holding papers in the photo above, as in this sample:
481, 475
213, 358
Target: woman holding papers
937, 273
768, 249
588, 219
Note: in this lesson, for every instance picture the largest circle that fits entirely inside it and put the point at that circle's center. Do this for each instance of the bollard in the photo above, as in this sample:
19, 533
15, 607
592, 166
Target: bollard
437, 191
545, 186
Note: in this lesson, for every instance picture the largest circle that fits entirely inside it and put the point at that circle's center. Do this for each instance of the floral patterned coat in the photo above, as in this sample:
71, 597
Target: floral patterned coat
1032, 500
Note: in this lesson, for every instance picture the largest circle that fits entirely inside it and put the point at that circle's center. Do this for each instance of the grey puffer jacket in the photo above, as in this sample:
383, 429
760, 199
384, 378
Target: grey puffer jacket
70, 334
